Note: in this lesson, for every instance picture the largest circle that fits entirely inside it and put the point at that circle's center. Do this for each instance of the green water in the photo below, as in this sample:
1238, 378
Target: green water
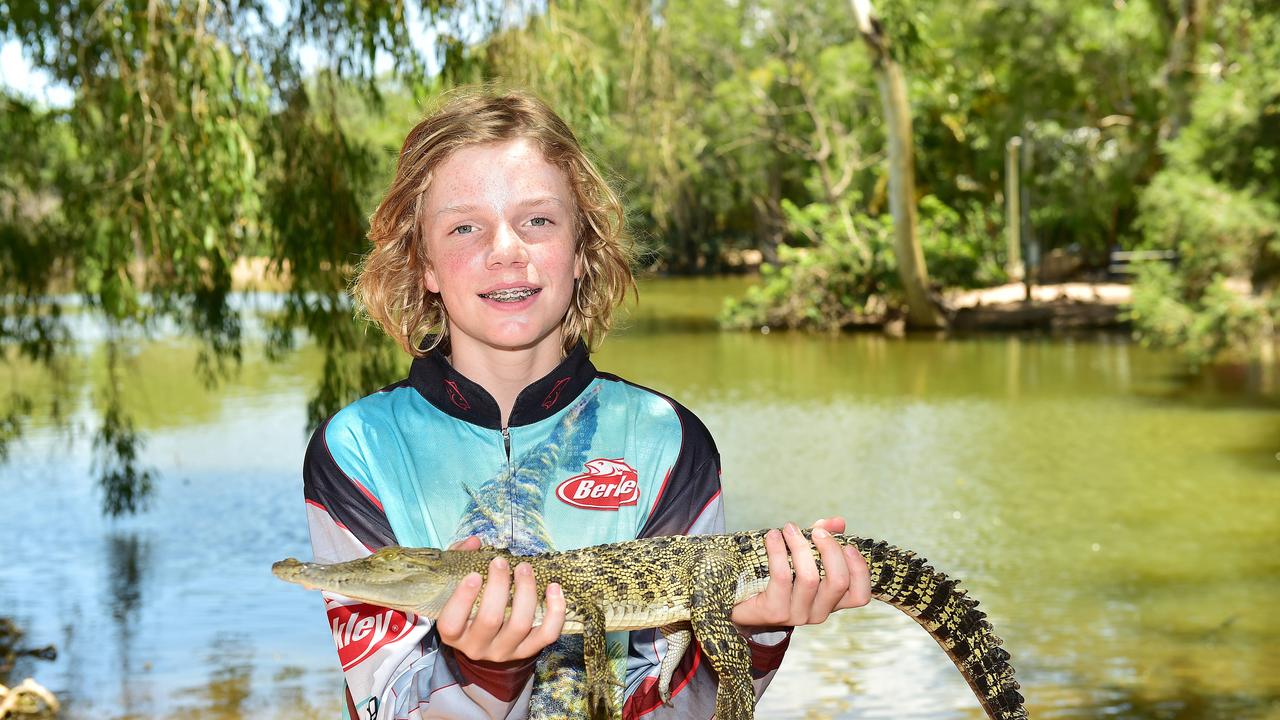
1117, 518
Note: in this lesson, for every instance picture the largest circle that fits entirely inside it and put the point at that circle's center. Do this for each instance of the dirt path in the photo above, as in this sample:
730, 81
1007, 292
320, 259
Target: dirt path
1052, 307
1098, 293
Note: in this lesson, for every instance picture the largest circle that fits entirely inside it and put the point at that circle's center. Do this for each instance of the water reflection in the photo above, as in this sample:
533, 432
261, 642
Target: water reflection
231, 693
225, 696
1181, 703
127, 558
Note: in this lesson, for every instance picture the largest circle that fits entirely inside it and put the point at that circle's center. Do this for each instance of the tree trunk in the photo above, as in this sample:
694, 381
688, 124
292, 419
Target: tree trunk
922, 312
1185, 21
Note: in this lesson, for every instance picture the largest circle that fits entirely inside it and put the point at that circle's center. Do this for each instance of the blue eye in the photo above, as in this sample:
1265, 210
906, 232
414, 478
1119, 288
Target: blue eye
540, 222
464, 229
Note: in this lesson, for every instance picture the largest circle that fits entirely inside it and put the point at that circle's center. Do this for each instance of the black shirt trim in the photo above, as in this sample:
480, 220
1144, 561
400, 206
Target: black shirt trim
458, 396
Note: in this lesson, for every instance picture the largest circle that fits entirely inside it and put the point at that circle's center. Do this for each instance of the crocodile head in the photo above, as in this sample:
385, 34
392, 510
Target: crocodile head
416, 580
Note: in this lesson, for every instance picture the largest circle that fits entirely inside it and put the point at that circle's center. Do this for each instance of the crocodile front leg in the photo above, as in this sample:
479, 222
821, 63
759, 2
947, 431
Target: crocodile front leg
711, 603
600, 678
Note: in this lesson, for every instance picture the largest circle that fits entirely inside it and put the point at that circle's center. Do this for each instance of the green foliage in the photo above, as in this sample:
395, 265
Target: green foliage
1214, 322
1217, 203
126, 484
836, 282
962, 247
192, 143
1217, 230
1072, 79
195, 142
1221, 235
839, 271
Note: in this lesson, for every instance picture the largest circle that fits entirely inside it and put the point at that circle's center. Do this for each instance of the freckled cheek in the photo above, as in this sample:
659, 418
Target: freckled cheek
555, 263
451, 264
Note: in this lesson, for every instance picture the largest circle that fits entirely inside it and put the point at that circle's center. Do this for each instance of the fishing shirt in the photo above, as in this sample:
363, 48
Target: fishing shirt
587, 458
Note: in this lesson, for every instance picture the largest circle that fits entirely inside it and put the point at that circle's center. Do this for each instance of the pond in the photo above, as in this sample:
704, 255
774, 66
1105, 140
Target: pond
1118, 519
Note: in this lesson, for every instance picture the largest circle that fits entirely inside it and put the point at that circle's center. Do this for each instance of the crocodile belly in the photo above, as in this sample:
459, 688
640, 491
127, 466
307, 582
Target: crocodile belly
644, 615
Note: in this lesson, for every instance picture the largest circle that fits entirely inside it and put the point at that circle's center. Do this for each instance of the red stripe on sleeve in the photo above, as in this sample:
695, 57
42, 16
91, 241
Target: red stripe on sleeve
657, 499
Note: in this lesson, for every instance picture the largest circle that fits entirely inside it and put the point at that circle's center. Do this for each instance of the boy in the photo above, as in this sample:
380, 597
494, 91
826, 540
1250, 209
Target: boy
498, 260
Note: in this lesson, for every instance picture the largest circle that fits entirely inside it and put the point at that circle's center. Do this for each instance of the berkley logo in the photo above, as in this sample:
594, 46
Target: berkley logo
606, 485
361, 629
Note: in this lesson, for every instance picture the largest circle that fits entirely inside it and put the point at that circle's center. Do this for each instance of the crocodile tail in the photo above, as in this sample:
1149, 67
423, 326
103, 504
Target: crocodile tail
951, 617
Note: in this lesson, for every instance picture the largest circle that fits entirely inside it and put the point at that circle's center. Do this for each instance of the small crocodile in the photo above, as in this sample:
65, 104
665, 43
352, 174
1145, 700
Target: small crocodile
684, 585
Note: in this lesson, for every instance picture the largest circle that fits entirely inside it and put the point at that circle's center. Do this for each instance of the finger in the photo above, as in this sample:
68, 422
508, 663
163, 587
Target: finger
493, 610
470, 542
771, 606
835, 581
805, 586
552, 623
457, 609
859, 592
777, 593
523, 601
834, 525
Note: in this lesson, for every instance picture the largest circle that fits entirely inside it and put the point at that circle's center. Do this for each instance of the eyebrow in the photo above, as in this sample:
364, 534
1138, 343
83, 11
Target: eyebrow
457, 209
545, 200
531, 202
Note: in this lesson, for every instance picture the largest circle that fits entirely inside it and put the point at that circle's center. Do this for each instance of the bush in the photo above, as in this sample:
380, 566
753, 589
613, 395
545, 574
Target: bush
845, 273
832, 283
1217, 202
1217, 302
1217, 323
962, 249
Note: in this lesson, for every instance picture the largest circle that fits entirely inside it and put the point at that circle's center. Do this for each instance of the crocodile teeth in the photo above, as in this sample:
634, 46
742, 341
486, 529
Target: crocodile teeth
512, 295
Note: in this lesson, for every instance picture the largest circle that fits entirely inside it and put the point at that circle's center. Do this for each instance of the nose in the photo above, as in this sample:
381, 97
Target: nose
508, 247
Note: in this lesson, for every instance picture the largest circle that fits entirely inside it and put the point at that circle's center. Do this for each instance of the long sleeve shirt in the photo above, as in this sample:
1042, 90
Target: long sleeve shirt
587, 458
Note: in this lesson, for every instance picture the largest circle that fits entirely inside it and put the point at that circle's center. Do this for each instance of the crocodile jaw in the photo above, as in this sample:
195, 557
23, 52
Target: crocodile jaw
420, 593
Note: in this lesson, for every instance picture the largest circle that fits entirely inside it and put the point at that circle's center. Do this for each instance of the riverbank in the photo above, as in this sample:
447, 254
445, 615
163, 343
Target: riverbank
1071, 305
28, 700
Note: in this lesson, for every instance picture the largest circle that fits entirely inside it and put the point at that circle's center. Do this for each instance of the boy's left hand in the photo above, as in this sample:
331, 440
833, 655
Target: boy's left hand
808, 599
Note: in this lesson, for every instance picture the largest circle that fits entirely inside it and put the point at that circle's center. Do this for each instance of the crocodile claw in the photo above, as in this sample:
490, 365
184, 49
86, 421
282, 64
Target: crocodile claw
600, 702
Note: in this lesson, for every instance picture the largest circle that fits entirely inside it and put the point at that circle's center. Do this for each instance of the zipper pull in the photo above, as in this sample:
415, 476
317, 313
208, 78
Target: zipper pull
506, 442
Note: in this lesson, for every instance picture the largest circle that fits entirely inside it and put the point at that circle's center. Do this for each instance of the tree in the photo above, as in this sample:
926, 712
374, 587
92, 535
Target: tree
191, 143
1216, 201
922, 312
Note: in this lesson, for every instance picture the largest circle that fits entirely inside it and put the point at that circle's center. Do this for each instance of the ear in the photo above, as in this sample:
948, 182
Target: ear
579, 260
430, 280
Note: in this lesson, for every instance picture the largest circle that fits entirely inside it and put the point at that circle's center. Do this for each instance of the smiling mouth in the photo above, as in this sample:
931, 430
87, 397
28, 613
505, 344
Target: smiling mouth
511, 295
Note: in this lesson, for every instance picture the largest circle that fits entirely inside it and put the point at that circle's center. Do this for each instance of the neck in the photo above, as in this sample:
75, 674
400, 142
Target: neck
504, 373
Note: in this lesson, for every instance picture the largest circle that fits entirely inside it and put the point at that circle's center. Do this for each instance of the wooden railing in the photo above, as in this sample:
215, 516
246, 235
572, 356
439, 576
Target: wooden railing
1121, 261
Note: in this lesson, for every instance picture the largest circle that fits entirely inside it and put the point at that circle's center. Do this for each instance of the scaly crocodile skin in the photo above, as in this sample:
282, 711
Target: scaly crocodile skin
680, 583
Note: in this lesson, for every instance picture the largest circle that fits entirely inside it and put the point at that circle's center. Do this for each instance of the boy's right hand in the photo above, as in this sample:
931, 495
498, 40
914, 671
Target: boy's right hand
494, 635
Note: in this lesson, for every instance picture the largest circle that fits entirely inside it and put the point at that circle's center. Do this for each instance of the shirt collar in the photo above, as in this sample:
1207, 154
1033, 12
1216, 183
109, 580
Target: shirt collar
455, 394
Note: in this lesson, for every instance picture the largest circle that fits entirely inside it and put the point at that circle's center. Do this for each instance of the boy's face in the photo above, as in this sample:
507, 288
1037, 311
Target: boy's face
498, 223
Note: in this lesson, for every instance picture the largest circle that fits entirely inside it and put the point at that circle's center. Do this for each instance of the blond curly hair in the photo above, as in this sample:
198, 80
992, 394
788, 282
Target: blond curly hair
389, 287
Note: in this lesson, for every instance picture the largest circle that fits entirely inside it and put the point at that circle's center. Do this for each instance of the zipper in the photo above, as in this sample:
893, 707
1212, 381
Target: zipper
511, 526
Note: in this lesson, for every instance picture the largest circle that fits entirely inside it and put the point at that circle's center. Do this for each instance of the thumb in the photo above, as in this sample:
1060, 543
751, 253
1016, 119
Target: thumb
834, 525
471, 542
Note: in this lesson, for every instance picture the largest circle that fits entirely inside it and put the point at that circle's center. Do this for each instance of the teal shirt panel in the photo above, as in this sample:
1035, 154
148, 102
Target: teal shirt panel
435, 475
